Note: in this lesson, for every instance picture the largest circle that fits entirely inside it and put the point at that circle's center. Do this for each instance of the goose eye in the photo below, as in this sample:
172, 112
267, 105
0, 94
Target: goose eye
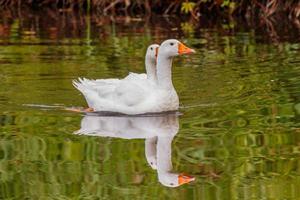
151, 48
171, 43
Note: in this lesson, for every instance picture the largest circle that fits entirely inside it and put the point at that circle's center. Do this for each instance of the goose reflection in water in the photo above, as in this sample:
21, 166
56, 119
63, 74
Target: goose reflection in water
158, 132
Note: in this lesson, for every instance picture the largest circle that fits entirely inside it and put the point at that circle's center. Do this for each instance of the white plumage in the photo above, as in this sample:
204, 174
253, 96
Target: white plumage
135, 94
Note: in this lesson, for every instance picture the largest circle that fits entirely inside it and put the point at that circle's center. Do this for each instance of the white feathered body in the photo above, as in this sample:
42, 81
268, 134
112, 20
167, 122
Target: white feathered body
138, 94
133, 95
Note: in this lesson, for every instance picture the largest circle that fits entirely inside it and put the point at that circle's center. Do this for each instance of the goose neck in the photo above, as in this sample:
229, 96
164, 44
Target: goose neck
164, 151
150, 69
164, 72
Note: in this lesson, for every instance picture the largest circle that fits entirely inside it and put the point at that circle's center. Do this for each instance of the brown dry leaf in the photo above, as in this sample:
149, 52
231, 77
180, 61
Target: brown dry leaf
219, 2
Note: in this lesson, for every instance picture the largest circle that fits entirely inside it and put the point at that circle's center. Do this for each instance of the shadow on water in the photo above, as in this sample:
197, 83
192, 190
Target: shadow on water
117, 114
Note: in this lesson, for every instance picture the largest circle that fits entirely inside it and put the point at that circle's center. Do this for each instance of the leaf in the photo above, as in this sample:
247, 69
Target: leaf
232, 7
187, 7
225, 3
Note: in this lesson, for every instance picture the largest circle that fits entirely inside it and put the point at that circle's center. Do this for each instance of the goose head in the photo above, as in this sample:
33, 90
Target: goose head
151, 53
150, 151
172, 48
152, 161
150, 61
174, 180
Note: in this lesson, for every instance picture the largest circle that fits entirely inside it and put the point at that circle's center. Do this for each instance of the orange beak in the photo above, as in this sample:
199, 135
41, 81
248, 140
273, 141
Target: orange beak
183, 179
182, 49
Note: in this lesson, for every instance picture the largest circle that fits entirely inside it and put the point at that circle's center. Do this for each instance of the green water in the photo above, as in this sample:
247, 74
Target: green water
238, 134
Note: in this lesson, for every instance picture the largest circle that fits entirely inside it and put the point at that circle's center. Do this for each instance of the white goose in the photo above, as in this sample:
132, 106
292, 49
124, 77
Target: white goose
150, 65
139, 96
106, 86
158, 133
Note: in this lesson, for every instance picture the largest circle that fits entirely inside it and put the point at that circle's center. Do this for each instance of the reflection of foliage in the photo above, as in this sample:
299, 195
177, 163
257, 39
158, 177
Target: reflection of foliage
193, 7
187, 27
244, 126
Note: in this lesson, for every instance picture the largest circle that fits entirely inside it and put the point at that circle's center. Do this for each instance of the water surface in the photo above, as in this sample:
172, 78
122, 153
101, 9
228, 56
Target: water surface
240, 100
